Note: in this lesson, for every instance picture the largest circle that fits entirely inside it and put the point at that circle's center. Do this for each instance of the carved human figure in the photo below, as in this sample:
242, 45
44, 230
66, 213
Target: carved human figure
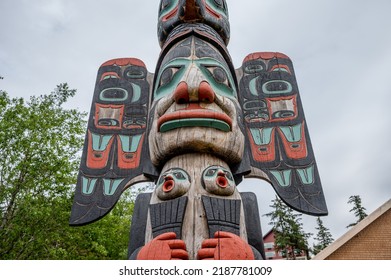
196, 127
175, 12
204, 220
196, 114
195, 107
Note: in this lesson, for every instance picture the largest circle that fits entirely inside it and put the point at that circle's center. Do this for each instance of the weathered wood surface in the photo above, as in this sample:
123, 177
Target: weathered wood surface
190, 91
196, 127
195, 225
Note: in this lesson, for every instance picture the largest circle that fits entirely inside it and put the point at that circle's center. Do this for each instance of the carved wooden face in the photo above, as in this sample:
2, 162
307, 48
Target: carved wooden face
195, 174
175, 12
173, 183
218, 180
195, 107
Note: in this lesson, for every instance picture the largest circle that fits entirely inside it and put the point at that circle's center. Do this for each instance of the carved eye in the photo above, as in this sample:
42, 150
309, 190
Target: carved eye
179, 176
165, 3
142, 121
134, 72
253, 68
219, 3
211, 172
219, 75
114, 94
167, 76
161, 180
173, 183
229, 175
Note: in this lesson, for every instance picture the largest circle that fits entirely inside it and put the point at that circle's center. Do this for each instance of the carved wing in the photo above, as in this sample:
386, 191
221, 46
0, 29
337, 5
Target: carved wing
278, 141
115, 153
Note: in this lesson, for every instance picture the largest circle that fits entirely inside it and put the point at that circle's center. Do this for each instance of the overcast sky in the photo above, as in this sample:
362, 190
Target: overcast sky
341, 51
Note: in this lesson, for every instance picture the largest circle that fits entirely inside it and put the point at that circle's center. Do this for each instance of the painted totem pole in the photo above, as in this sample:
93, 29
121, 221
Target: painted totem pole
196, 127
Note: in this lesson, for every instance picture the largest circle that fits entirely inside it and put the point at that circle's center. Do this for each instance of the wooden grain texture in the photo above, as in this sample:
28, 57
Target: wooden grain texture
195, 227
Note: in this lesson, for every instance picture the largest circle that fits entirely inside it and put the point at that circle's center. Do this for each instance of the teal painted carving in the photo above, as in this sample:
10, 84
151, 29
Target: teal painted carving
249, 120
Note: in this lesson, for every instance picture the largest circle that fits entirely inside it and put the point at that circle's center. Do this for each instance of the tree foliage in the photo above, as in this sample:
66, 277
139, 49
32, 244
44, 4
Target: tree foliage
290, 237
40, 147
323, 237
358, 209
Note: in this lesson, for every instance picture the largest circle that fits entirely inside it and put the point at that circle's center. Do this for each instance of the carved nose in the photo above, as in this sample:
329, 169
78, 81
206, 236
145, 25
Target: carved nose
203, 93
191, 12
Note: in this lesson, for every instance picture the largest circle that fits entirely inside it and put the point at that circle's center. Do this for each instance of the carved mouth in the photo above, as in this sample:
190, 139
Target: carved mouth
169, 184
222, 182
194, 118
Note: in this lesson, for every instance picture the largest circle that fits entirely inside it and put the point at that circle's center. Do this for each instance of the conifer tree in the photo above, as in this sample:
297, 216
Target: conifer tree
323, 237
290, 238
358, 209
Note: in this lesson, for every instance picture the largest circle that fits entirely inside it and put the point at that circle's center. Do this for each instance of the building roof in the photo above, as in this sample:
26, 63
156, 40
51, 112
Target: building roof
353, 231
269, 232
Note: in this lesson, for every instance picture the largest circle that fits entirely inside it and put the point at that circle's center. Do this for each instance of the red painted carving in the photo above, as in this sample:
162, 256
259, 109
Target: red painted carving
171, 14
164, 247
115, 112
190, 113
168, 184
289, 99
263, 153
124, 62
109, 74
204, 93
97, 159
225, 246
129, 160
221, 180
264, 56
211, 11
281, 66
295, 150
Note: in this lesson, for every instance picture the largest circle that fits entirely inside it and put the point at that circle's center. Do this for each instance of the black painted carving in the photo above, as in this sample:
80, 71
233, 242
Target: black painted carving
270, 115
278, 141
253, 222
222, 214
139, 222
168, 216
115, 150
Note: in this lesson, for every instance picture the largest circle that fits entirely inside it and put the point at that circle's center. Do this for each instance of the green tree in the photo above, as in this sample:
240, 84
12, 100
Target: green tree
40, 147
323, 237
290, 238
103, 240
358, 209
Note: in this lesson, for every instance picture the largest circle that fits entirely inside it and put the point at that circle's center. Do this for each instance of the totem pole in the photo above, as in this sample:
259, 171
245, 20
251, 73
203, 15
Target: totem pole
196, 127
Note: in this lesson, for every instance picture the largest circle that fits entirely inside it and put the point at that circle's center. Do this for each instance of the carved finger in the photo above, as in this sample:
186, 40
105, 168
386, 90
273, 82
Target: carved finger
210, 243
224, 234
177, 244
166, 236
206, 253
179, 254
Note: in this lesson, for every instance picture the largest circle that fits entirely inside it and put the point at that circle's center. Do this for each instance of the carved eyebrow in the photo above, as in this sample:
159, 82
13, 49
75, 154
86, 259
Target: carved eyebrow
109, 75
281, 67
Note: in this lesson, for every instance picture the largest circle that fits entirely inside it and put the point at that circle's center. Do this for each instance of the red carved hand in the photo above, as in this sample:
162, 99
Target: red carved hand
225, 246
164, 247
